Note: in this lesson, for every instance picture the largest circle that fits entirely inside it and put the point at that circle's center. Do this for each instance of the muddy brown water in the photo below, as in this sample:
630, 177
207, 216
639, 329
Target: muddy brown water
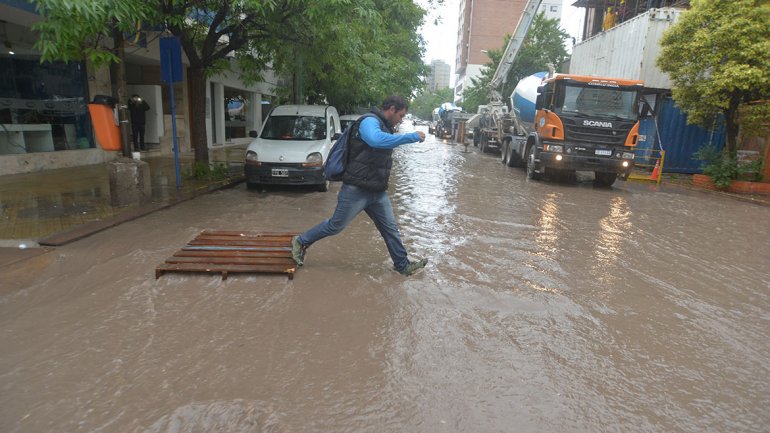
546, 307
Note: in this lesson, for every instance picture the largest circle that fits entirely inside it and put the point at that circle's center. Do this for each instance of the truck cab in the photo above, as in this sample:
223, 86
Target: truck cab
586, 124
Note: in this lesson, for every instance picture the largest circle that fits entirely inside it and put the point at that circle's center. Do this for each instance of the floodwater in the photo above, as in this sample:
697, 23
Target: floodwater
546, 307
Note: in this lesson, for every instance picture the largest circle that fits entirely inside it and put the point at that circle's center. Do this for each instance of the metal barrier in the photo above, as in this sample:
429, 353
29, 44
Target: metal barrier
648, 165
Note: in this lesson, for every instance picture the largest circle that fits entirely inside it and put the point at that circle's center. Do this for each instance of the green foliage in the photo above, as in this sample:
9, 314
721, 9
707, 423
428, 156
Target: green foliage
755, 119
720, 168
717, 57
543, 44
73, 30
203, 171
423, 104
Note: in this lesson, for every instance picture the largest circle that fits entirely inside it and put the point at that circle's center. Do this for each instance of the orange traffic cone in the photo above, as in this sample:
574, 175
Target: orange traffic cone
654, 175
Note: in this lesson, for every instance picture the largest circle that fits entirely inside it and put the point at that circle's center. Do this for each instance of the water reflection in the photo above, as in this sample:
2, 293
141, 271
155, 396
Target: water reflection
548, 225
426, 193
615, 230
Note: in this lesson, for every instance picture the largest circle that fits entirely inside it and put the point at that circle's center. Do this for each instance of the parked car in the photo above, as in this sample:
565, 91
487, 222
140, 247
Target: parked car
348, 119
292, 147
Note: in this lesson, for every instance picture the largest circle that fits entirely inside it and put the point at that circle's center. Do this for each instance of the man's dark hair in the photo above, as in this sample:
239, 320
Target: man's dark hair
394, 101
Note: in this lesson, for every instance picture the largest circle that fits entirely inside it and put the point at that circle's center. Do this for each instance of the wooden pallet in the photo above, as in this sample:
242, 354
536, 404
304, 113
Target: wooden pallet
226, 252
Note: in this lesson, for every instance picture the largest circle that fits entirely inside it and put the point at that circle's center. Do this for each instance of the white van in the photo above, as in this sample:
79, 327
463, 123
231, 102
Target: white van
292, 147
348, 119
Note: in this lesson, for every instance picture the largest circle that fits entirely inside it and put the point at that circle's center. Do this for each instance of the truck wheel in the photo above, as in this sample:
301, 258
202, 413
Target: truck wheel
531, 164
504, 153
510, 159
602, 178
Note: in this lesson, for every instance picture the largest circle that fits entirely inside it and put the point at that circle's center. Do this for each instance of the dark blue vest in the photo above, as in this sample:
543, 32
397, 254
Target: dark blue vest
368, 167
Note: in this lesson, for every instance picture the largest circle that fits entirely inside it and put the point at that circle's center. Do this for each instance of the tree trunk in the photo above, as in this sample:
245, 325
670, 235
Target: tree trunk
731, 126
119, 90
198, 115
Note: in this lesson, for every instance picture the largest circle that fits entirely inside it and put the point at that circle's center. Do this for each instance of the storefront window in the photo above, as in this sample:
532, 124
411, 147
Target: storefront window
236, 110
43, 106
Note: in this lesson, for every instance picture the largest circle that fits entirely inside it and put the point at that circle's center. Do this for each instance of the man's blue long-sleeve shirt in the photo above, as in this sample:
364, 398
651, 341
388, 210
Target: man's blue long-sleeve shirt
373, 136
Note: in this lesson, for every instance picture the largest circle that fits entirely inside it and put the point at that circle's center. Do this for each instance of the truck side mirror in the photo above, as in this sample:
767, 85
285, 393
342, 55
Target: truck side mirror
253, 134
647, 111
539, 101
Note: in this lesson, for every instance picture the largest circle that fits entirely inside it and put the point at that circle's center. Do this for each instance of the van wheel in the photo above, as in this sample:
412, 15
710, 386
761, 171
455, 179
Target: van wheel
324, 186
251, 185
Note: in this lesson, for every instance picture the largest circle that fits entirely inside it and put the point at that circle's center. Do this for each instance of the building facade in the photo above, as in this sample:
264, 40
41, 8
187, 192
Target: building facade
439, 75
44, 116
482, 26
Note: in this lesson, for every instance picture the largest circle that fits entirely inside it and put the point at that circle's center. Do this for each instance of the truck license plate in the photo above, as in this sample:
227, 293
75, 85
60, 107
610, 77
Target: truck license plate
604, 152
280, 172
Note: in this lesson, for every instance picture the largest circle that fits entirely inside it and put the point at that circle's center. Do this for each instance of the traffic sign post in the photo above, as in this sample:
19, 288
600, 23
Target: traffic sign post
171, 72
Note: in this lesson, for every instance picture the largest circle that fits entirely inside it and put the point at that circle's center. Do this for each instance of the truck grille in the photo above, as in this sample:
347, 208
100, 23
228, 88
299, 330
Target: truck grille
574, 132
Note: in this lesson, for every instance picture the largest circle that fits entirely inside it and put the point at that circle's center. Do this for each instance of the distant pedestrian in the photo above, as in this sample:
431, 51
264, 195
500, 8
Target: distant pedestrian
137, 108
365, 184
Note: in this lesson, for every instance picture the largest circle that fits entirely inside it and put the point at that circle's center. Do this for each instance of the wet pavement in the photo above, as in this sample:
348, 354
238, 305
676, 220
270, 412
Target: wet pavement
36, 205
546, 306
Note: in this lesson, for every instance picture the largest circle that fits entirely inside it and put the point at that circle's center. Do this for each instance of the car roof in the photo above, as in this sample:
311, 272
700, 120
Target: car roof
301, 110
350, 116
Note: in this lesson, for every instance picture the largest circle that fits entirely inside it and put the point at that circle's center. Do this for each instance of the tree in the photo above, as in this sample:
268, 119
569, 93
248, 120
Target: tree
423, 104
717, 57
543, 45
347, 60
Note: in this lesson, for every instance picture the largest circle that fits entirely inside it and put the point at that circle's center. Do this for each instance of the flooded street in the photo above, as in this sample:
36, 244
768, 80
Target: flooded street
545, 307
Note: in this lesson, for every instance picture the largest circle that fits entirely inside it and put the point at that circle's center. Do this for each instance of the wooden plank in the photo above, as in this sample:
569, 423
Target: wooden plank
245, 236
214, 268
283, 261
243, 242
226, 252
247, 233
233, 253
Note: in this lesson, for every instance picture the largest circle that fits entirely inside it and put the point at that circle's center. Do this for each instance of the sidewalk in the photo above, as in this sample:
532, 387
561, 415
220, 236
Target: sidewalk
70, 203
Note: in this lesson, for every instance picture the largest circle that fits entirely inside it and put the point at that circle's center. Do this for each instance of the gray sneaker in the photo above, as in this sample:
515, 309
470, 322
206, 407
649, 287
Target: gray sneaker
298, 251
414, 267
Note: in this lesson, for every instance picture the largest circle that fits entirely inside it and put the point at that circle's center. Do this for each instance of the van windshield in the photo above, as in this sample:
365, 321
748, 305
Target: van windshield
294, 128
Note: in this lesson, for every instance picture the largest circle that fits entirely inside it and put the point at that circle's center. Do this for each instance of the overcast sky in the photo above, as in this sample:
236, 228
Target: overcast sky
441, 39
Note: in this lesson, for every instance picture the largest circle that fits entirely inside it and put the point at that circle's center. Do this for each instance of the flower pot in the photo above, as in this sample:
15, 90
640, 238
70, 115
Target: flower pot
736, 186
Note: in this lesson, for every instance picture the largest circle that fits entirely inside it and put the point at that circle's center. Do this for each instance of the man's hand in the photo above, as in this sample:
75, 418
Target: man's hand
422, 136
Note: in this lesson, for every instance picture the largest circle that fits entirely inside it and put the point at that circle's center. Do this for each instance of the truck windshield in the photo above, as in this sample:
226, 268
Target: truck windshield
597, 102
294, 128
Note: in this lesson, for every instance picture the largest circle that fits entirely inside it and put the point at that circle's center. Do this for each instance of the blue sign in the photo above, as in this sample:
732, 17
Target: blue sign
170, 59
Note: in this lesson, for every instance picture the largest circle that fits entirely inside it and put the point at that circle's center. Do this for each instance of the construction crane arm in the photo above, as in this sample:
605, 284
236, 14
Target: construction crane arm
512, 49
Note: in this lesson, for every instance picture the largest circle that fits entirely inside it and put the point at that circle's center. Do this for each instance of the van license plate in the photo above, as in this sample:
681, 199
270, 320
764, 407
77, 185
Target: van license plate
604, 152
280, 172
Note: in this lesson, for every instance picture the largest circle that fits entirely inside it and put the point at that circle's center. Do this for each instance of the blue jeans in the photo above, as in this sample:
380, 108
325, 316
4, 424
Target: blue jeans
350, 202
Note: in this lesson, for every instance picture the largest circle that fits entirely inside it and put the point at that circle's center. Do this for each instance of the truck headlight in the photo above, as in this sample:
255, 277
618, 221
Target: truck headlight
314, 158
624, 164
554, 148
628, 155
251, 156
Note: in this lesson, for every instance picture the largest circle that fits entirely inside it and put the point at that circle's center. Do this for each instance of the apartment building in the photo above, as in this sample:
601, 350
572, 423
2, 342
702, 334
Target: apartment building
482, 26
439, 75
